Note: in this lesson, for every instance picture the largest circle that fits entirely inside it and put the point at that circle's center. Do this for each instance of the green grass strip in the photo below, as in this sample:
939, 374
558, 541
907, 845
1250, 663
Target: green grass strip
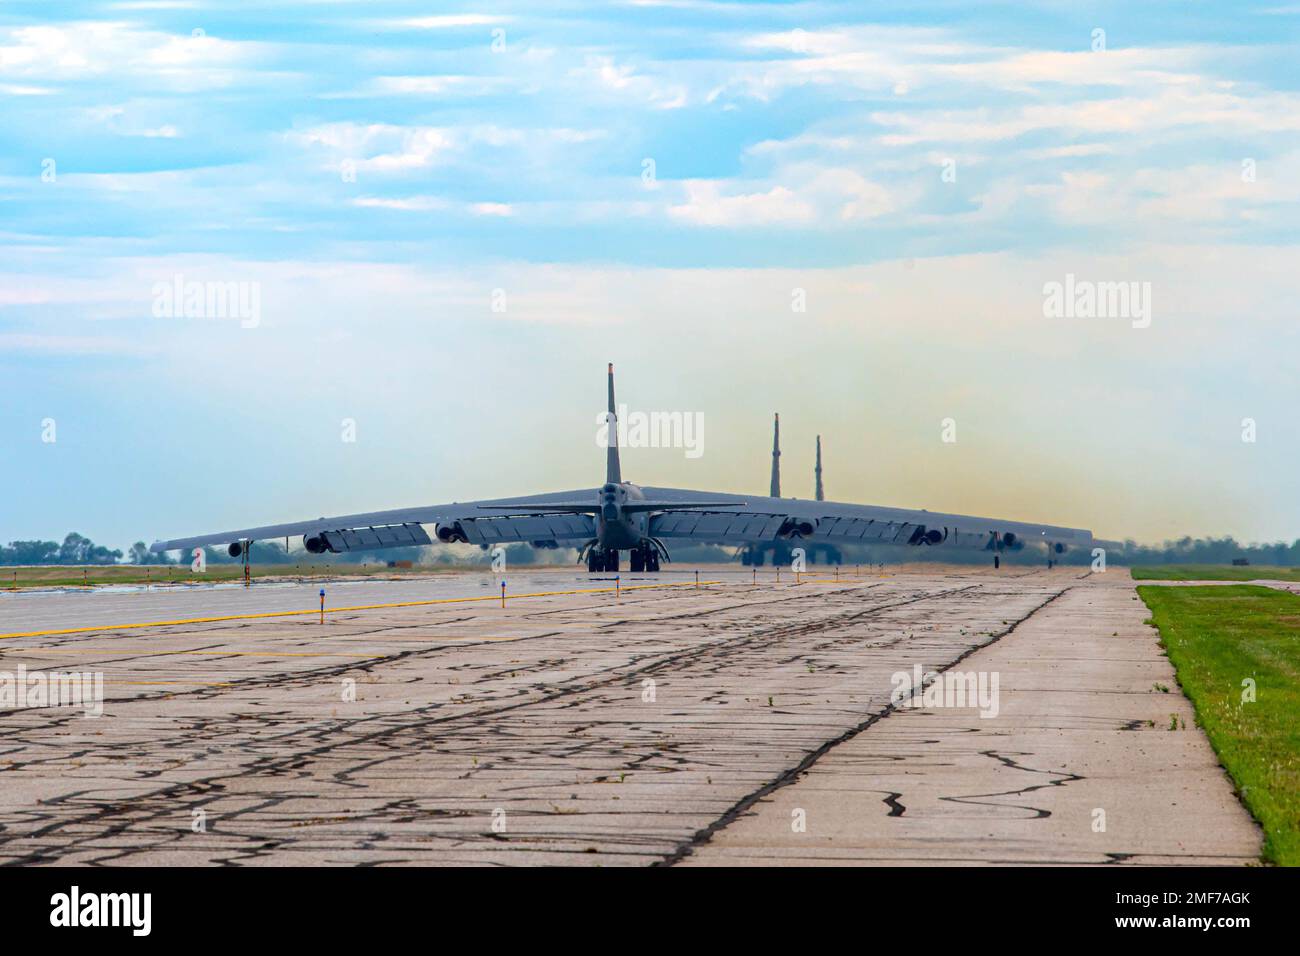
1214, 572
1217, 638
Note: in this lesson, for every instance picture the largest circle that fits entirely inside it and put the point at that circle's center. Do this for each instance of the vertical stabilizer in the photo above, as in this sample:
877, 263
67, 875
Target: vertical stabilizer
613, 474
776, 457
821, 492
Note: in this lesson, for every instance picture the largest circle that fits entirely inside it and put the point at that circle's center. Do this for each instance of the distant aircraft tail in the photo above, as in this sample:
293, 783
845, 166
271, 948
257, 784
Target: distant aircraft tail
775, 491
819, 492
613, 473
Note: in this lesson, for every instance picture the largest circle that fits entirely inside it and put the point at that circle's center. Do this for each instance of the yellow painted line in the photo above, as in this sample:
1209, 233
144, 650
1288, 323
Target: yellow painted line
36, 651
339, 610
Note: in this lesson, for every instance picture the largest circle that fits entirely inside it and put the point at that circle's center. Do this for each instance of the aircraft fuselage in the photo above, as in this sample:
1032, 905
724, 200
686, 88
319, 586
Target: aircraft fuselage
617, 529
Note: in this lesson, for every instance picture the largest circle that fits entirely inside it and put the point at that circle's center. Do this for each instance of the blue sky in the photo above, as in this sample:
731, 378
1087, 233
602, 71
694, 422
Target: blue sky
647, 183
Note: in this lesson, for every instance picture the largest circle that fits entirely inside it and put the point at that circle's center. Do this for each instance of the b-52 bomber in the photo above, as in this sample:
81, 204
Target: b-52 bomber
622, 516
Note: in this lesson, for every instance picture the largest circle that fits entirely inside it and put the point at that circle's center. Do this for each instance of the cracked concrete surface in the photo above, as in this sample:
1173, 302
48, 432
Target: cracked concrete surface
658, 726
1083, 730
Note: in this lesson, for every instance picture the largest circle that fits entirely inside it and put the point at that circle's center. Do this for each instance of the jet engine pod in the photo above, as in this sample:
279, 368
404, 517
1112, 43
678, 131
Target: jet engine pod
451, 533
1009, 540
236, 549
315, 543
933, 536
1058, 548
797, 528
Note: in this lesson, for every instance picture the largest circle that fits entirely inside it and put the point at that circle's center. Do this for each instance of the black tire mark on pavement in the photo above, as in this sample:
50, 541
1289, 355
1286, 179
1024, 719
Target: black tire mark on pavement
790, 775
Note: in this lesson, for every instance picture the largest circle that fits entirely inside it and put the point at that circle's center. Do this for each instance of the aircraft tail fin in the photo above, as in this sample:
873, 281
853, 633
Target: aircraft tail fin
819, 491
776, 457
613, 473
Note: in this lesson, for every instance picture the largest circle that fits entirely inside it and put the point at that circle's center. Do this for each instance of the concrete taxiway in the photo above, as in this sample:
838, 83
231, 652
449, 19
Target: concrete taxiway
578, 725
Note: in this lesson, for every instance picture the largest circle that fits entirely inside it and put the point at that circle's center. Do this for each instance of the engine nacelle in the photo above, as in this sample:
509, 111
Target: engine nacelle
1058, 548
923, 535
315, 543
1009, 540
451, 533
797, 528
236, 549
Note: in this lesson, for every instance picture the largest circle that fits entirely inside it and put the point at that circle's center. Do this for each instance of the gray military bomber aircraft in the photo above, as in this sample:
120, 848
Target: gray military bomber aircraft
622, 516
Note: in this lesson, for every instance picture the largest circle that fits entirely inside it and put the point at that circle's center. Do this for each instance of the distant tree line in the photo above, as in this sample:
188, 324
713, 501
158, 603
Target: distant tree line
75, 549
1127, 553
78, 549
1207, 551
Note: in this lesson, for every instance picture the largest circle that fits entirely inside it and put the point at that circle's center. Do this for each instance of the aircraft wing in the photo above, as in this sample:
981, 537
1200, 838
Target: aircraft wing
476, 522
757, 519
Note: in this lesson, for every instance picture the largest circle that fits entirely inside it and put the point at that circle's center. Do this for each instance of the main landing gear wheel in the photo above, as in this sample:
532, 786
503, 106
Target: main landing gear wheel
601, 560
644, 558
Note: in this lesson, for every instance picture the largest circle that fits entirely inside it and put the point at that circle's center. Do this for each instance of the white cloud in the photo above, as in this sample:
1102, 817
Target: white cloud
449, 21
819, 196
433, 203
405, 204
18, 342
622, 79
707, 206
11, 89
429, 85
78, 50
377, 147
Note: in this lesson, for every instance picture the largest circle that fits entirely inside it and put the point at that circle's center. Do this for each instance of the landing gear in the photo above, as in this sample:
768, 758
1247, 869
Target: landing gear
599, 559
602, 560
997, 562
644, 559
